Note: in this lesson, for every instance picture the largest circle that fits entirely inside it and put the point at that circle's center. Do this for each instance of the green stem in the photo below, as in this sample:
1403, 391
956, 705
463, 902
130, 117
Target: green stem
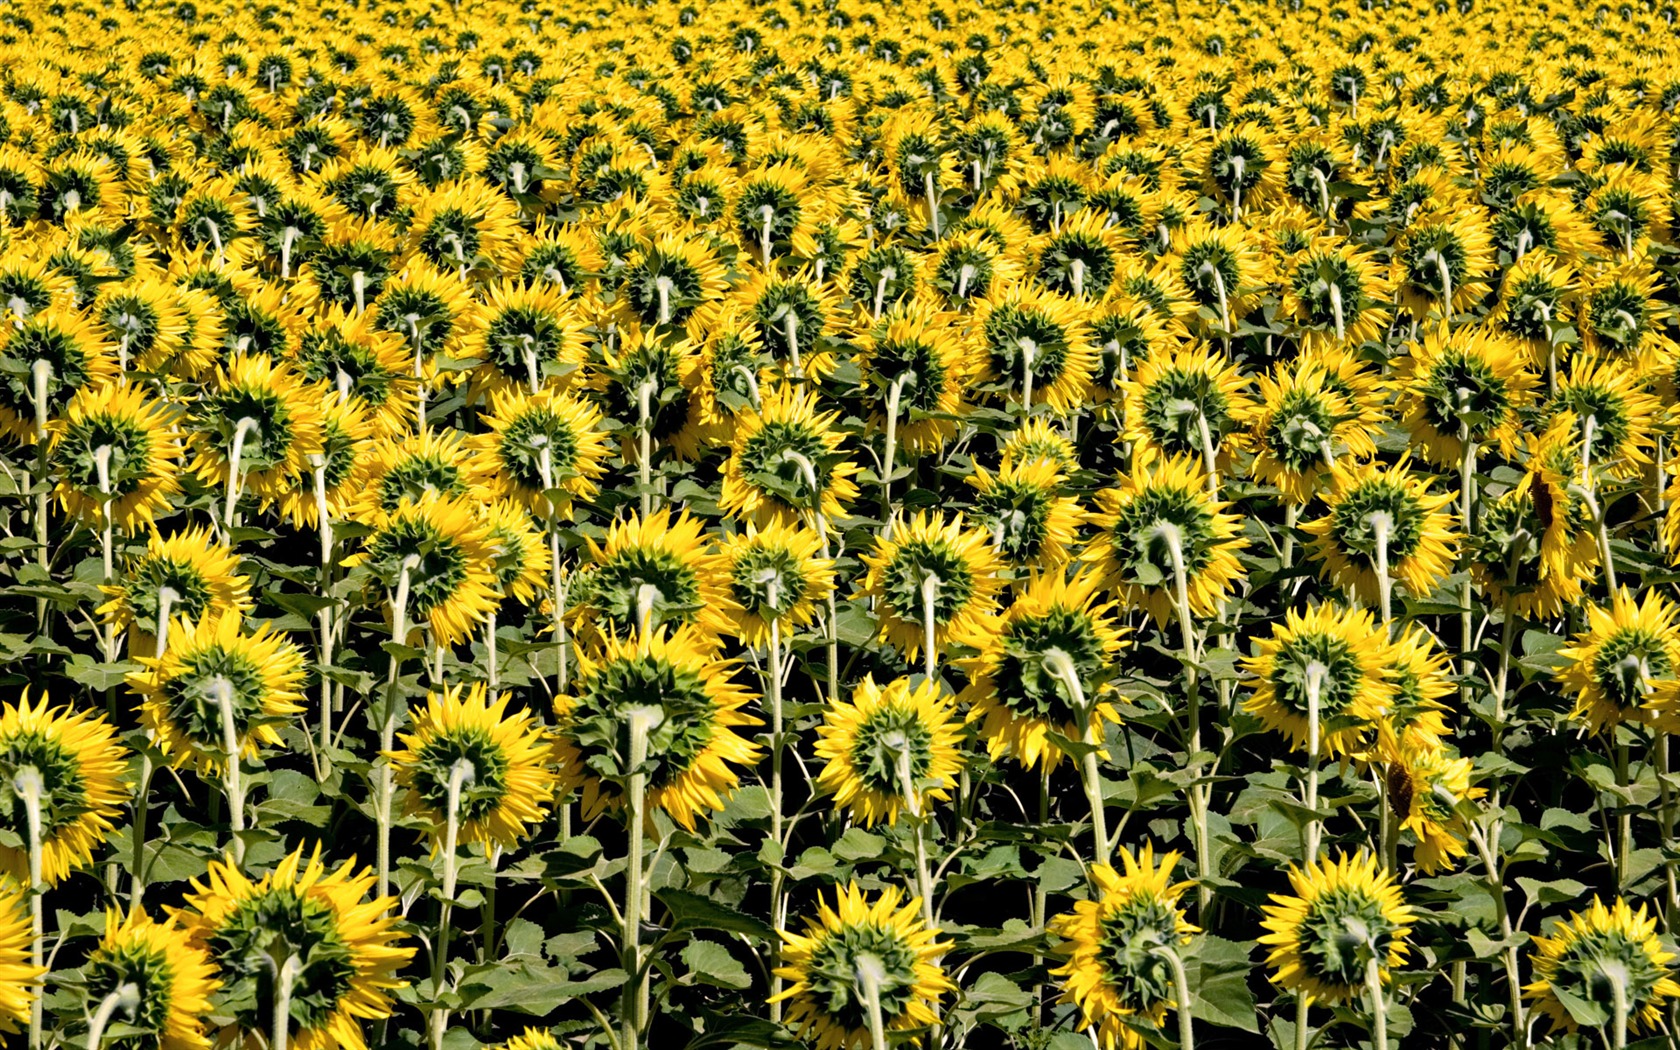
386, 787
642, 721
29, 788
1185, 1005
460, 774
1379, 1004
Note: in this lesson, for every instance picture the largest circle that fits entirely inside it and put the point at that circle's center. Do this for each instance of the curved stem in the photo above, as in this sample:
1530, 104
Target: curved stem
644, 467
1185, 1006
1060, 665
930, 595
285, 977
870, 973
222, 691
461, 773
126, 998
236, 453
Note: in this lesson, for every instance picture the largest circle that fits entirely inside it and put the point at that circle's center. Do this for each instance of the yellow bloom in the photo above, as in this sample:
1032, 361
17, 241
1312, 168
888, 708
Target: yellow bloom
19, 980
172, 977
81, 771
1327, 658
1625, 667
933, 562
1420, 541
114, 456
891, 748
785, 462
775, 575
1594, 948
1344, 915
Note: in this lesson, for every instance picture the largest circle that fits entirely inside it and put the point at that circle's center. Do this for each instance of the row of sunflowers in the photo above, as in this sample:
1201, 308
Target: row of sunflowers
840, 526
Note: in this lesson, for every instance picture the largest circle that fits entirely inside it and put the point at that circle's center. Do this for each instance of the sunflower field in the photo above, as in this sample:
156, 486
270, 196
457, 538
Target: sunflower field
839, 525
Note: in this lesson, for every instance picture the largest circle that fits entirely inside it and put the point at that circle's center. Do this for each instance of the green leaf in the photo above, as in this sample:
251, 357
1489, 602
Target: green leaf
1218, 972
534, 991
690, 911
710, 963
858, 844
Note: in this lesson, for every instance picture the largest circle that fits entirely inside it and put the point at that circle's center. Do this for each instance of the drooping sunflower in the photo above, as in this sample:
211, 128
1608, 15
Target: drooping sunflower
20, 982
1534, 543
113, 451
1116, 968
914, 360
500, 760
1163, 505
62, 352
538, 443
651, 572
675, 681
1464, 384
1421, 544
526, 336
1425, 785
775, 575
675, 280
661, 375
1019, 697
144, 320
429, 465
346, 434
521, 560
1338, 292
442, 546
1030, 521
1333, 652
172, 977
1185, 402
786, 462
893, 747
269, 412
854, 940
1443, 260
1299, 426
80, 775
1589, 951
1343, 915
1612, 403
1625, 667
348, 949
1028, 336
1218, 268
200, 576
792, 317
261, 674
934, 562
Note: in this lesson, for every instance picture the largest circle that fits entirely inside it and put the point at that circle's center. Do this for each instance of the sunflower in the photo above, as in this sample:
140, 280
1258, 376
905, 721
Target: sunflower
360, 362
1443, 260
785, 462
522, 560
1022, 507
79, 770
661, 375
1611, 402
143, 318
20, 982
1039, 439
1162, 506
885, 943
651, 572
1080, 259
172, 979
775, 575
931, 563
442, 546
1534, 543
526, 336
1535, 298
1218, 269
692, 745
1339, 292
532, 1039
265, 409
1590, 952
894, 747
1625, 667
1367, 500
674, 281
344, 950
113, 452
1425, 785
1185, 402
463, 225
429, 465
58, 354
346, 434
914, 358
200, 576
1126, 333
505, 784
1334, 653
181, 691
1114, 946
1623, 317
1020, 701
541, 444
1344, 915
1037, 342
770, 207
1464, 383
431, 311
792, 317
1299, 426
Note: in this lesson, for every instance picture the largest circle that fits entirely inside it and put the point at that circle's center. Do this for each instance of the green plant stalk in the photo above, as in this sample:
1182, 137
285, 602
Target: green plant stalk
1496, 887
461, 773
1381, 523
142, 800
235, 475
125, 997
930, 653
285, 978
774, 682
1193, 714
1379, 1004
1624, 816
1185, 1006
870, 973
895, 394
644, 465
386, 787
40, 371
642, 721
232, 780
1466, 505
1667, 824
1310, 834
324, 617
28, 786
1060, 665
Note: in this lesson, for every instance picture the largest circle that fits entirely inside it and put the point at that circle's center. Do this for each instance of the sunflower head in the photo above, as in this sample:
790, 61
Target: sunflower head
674, 685
1115, 946
653, 571
1343, 916
344, 949
932, 564
892, 748
786, 462
114, 456
1425, 786
1031, 523
466, 746
1591, 952
435, 553
854, 944
1625, 667
1371, 505
775, 576
70, 766
19, 978
1328, 664
162, 981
